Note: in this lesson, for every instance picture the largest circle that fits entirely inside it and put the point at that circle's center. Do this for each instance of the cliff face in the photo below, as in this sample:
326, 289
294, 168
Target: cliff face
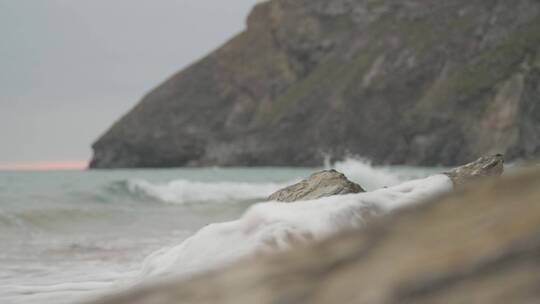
409, 82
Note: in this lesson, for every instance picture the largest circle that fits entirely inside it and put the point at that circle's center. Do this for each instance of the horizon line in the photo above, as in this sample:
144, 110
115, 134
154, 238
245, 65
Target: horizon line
56, 165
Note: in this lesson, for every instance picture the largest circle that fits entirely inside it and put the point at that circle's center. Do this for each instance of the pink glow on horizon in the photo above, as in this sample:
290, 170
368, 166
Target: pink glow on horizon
44, 165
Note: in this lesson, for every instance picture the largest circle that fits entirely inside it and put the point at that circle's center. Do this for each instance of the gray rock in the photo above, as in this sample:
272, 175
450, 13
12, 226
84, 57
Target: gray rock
319, 184
482, 167
331, 182
418, 82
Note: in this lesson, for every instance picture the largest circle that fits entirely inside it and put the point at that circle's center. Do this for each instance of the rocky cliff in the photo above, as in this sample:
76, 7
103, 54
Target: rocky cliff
401, 82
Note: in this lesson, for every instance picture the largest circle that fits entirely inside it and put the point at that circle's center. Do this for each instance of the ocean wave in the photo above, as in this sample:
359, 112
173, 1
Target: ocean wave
271, 226
185, 191
26, 220
265, 227
108, 202
57, 293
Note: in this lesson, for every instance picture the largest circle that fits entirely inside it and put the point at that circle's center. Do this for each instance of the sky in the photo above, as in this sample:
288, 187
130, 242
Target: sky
70, 68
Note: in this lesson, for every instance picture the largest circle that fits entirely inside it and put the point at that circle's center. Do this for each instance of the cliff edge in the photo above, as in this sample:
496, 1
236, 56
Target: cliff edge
419, 82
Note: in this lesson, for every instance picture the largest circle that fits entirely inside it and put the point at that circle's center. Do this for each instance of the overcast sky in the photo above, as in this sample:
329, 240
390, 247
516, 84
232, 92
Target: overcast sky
70, 68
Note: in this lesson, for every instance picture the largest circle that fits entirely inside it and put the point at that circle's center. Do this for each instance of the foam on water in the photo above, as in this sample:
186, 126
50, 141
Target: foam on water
274, 226
185, 191
361, 171
60, 293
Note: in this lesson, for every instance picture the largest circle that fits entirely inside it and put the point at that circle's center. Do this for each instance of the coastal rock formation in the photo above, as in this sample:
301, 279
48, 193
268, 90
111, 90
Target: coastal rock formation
319, 184
482, 167
479, 245
331, 182
420, 82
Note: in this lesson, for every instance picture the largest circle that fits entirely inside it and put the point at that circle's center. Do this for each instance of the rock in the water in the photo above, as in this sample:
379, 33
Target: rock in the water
319, 184
482, 167
477, 246
331, 182
418, 82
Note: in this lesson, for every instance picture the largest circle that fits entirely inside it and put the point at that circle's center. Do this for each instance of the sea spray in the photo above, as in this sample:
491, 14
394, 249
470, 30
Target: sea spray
362, 172
271, 226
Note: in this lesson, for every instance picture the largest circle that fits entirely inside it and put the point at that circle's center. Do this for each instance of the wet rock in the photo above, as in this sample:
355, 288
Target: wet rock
483, 167
320, 184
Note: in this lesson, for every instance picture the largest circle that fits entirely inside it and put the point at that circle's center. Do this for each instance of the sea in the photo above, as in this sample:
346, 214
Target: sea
74, 236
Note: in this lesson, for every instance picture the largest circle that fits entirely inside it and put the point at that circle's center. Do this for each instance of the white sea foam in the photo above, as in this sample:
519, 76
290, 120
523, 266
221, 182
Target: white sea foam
273, 226
361, 171
184, 191
62, 292
264, 227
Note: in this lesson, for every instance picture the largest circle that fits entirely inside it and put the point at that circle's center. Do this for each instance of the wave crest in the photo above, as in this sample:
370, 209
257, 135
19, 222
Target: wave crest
185, 191
270, 226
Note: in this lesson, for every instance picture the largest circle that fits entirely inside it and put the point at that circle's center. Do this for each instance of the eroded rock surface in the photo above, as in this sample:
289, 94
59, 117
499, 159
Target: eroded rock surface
483, 167
418, 82
319, 184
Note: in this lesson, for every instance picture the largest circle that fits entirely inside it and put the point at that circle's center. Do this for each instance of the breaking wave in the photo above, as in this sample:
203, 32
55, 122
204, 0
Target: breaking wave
271, 226
265, 226
370, 177
185, 191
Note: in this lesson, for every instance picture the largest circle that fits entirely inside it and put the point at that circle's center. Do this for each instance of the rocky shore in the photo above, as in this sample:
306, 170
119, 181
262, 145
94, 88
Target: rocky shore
417, 82
477, 245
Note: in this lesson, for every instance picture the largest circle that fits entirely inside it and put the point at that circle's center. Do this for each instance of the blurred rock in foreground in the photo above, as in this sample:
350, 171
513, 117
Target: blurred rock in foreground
480, 245
486, 166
